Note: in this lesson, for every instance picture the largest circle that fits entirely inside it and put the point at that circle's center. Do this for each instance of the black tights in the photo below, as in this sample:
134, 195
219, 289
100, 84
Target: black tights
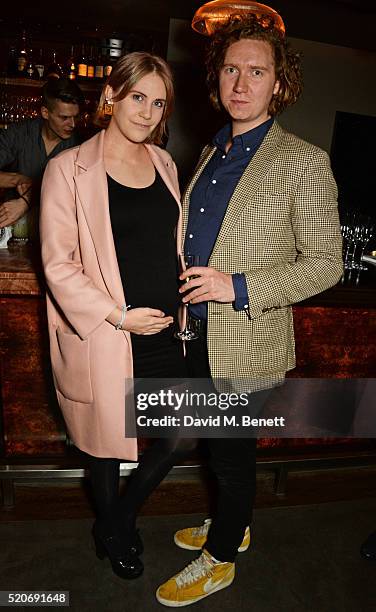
117, 514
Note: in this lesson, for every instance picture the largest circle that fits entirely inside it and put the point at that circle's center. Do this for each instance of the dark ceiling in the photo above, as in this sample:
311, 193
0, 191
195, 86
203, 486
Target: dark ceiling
348, 23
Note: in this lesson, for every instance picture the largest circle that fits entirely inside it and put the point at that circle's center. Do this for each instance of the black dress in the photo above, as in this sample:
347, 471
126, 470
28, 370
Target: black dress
143, 225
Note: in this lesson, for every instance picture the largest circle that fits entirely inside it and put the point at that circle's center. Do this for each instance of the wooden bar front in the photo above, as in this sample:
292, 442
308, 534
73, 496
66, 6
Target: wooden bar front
335, 337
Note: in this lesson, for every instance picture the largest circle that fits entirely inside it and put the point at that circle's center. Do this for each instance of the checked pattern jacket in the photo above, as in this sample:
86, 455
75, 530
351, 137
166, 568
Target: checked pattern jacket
281, 229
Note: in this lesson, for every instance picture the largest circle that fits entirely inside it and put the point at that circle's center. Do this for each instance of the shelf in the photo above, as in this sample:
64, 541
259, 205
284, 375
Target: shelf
38, 84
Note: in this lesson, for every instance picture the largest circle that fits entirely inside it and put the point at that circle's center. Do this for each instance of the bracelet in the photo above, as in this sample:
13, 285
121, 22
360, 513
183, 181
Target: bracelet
124, 309
28, 204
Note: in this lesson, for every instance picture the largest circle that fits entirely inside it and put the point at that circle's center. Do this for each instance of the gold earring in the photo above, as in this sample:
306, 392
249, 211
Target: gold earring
108, 107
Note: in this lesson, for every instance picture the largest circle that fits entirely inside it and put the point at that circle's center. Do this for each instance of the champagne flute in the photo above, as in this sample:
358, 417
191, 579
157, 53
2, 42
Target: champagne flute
188, 261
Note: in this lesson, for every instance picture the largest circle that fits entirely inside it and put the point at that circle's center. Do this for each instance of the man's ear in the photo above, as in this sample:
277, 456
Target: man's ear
44, 112
276, 88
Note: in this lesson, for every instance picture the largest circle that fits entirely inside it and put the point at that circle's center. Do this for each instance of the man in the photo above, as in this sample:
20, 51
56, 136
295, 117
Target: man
263, 218
26, 147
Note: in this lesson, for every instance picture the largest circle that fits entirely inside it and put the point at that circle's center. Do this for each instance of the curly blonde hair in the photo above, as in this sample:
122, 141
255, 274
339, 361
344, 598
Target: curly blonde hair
286, 61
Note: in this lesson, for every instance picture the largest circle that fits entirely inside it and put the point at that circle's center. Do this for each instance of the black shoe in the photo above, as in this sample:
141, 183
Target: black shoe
137, 545
125, 563
368, 548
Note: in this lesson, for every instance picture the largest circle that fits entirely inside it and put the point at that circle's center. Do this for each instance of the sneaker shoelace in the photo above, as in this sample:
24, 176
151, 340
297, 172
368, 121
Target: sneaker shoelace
202, 530
199, 568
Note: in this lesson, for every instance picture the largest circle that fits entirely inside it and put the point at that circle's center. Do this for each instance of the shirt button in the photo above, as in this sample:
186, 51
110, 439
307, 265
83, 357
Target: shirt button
214, 181
202, 209
190, 236
248, 148
223, 156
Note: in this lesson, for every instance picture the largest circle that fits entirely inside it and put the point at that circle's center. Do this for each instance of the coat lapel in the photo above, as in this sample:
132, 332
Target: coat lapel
250, 182
91, 184
168, 175
165, 170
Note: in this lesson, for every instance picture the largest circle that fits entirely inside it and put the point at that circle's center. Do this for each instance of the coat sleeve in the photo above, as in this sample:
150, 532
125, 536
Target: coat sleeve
318, 242
83, 304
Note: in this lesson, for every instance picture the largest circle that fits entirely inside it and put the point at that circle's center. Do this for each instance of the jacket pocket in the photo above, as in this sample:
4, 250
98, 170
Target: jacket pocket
72, 367
272, 340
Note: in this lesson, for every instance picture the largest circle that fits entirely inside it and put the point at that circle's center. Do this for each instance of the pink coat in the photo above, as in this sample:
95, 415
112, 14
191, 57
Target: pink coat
90, 359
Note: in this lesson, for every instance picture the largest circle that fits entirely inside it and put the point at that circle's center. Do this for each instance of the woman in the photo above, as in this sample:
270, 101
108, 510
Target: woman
111, 234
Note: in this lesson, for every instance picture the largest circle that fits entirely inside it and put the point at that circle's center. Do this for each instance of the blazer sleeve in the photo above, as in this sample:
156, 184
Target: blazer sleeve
318, 242
83, 304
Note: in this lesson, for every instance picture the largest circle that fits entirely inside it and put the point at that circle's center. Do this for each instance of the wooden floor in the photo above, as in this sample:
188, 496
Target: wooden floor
62, 499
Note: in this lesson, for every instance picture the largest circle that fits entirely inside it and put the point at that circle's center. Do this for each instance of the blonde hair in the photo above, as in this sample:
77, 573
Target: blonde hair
127, 71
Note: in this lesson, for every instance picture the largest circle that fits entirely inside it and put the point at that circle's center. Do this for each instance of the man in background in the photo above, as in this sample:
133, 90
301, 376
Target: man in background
26, 147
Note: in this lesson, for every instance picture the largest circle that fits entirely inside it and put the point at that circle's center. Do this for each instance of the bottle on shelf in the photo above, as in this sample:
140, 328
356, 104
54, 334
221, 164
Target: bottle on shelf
54, 69
82, 65
91, 64
12, 67
109, 62
39, 65
30, 71
72, 68
22, 56
99, 66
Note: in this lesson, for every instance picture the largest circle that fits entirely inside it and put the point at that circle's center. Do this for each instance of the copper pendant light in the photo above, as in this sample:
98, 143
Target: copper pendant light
212, 15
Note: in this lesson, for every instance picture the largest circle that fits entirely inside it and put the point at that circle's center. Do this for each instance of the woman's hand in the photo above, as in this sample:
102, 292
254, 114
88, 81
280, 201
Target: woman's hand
146, 321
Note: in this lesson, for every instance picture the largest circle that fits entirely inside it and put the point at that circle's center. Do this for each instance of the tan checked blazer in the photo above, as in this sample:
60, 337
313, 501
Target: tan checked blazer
281, 229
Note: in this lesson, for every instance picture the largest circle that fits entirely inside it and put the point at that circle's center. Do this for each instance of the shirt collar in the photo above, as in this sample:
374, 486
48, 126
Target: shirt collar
247, 141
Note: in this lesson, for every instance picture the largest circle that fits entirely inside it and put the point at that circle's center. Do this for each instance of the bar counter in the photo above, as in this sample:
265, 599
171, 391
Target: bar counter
335, 337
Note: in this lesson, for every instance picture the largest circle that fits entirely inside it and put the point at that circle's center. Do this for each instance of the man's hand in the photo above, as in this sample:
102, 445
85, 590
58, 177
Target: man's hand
11, 211
13, 179
210, 285
24, 189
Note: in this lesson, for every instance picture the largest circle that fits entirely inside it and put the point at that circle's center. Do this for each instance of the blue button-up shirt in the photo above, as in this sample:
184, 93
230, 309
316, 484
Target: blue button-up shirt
210, 197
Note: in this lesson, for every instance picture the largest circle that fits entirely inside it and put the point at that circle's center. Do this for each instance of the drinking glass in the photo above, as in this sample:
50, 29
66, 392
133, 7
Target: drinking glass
357, 230
188, 333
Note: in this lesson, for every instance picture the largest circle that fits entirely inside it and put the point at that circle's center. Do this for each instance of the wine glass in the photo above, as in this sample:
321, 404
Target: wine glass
188, 261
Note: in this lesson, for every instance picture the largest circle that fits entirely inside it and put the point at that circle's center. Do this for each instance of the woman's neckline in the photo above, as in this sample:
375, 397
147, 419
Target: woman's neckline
128, 186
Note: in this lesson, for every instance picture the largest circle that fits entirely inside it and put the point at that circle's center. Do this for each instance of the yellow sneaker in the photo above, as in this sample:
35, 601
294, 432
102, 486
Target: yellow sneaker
194, 538
199, 579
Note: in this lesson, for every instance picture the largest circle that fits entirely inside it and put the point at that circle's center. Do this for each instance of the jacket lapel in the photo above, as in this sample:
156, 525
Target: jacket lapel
168, 175
92, 190
250, 182
164, 169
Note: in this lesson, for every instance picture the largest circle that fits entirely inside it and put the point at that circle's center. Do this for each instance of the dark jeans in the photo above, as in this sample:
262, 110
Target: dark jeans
233, 462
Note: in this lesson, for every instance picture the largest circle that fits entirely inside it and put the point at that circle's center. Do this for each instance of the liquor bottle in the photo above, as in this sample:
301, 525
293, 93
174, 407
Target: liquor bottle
99, 66
90, 65
82, 65
71, 68
30, 68
39, 66
12, 67
54, 69
108, 64
22, 56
